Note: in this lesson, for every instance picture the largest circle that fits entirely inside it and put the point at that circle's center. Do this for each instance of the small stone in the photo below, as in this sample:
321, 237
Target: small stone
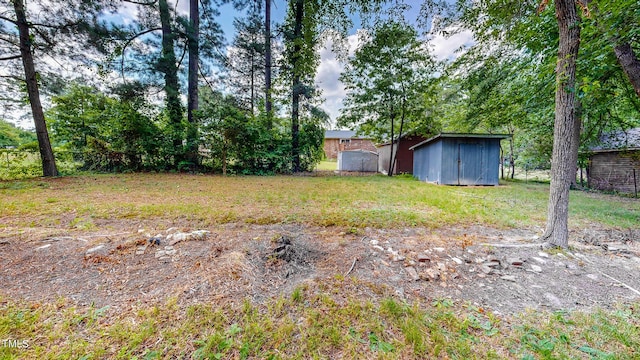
432, 274
384, 262
397, 258
165, 259
539, 260
438, 249
160, 253
140, 250
94, 249
140, 231
441, 266
485, 269
423, 258
378, 247
508, 278
536, 268
374, 242
413, 274
43, 247
543, 254
593, 277
457, 261
171, 230
168, 247
571, 266
411, 263
200, 234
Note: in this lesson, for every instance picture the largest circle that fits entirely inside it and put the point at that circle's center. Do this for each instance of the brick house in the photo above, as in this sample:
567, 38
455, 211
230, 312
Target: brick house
336, 141
614, 165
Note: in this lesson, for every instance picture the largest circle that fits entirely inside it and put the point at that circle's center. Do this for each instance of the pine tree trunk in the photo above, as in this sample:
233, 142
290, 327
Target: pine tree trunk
267, 60
167, 65
46, 152
297, 86
564, 151
630, 64
192, 100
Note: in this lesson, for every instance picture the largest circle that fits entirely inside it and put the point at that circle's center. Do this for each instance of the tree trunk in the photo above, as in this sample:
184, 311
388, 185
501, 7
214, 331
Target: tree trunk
46, 152
192, 100
267, 60
402, 116
630, 64
167, 65
390, 171
297, 85
564, 151
512, 162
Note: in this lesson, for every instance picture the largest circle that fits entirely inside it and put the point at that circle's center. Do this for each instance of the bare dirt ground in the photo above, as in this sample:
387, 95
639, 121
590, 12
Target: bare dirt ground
127, 263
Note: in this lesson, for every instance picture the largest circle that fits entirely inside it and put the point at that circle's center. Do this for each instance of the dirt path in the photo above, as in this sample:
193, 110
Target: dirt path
129, 263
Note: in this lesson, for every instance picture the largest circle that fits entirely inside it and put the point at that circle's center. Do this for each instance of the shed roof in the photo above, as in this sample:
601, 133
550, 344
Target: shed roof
460, 135
341, 134
619, 140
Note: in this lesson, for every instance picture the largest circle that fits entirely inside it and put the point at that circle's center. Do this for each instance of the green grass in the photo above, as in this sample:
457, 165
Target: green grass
314, 325
354, 202
324, 320
327, 165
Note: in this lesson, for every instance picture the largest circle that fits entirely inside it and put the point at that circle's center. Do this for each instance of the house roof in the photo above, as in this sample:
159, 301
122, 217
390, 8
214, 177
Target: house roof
619, 140
461, 136
341, 134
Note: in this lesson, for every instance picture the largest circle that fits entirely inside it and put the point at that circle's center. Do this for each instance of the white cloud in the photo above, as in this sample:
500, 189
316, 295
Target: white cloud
330, 68
327, 77
446, 48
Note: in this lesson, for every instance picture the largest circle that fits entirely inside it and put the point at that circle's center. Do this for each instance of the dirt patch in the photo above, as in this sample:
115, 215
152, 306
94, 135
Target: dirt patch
501, 270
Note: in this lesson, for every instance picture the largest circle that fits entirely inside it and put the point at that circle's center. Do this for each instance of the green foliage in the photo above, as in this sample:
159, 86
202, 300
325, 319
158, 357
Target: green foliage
12, 136
386, 81
107, 134
240, 143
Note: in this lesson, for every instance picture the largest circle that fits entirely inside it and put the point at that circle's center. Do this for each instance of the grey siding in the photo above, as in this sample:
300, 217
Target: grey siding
361, 161
458, 161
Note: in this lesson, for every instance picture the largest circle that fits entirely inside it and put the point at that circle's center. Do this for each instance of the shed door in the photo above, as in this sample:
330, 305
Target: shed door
470, 167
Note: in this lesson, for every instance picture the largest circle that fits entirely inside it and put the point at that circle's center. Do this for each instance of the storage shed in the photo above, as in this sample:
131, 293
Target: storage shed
404, 156
614, 164
458, 159
358, 160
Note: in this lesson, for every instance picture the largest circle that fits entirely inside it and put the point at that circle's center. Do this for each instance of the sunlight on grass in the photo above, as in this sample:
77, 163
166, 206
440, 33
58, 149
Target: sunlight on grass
375, 201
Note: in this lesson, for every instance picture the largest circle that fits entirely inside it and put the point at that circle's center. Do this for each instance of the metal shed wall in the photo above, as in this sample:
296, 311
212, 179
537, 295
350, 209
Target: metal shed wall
362, 161
427, 163
458, 161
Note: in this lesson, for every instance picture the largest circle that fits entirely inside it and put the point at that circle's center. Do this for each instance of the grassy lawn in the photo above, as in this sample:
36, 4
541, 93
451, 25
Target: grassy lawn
375, 201
324, 319
327, 165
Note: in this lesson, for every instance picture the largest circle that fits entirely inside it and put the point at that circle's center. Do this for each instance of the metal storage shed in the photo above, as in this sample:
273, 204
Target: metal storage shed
358, 160
404, 156
458, 159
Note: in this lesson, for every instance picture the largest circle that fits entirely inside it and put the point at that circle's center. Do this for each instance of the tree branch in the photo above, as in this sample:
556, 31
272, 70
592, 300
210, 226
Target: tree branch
8, 19
145, 3
11, 57
128, 42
